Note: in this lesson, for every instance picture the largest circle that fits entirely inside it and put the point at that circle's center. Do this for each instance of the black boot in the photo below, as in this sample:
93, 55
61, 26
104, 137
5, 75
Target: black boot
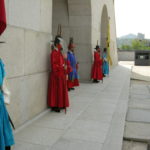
104, 75
7, 148
95, 81
55, 109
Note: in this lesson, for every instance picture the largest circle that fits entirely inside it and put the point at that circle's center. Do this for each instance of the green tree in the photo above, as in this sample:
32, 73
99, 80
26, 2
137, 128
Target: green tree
140, 44
125, 47
136, 44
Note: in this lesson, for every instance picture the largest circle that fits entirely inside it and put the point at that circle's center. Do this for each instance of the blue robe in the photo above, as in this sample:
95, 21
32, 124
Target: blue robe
6, 135
105, 64
71, 58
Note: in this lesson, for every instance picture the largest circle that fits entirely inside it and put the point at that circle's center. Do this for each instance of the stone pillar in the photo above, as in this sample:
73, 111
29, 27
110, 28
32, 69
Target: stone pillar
80, 29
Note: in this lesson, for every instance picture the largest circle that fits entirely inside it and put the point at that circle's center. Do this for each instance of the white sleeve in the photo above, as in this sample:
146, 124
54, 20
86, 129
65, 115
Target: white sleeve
6, 92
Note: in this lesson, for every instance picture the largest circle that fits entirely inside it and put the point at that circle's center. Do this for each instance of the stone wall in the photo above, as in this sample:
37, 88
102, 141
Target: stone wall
26, 56
126, 55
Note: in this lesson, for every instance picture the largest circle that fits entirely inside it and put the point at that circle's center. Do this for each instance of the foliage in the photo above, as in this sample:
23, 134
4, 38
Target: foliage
137, 44
126, 47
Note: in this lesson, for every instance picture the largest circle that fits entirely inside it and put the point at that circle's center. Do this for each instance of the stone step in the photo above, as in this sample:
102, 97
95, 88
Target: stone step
140, 104
131, 145
137, 131
138, 115
141, 73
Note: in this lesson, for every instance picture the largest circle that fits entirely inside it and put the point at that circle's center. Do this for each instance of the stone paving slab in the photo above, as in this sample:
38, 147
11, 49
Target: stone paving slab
129, 145
141, 73
95, 108
93, 131
74, 144
140, 104
137, 131
39, 135
140, 90
140, 96
21, 145
138, 115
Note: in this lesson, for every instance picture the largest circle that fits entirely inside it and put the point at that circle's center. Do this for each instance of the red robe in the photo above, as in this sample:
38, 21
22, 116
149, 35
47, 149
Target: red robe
2, 17
97, 72
57, 91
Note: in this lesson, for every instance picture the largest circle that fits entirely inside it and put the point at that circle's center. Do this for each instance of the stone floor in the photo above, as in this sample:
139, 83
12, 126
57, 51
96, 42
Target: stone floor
94, 121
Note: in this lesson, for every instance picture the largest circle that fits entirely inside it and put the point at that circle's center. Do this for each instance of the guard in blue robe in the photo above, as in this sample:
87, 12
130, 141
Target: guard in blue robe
6, 135
73, 75
105, 63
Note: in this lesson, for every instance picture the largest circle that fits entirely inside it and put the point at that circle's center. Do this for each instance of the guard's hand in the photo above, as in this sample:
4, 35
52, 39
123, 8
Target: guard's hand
65, 67
66, 77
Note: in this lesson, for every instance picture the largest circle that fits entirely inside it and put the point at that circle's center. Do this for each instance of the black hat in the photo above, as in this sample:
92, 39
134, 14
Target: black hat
97, 47
105, 49
57, 40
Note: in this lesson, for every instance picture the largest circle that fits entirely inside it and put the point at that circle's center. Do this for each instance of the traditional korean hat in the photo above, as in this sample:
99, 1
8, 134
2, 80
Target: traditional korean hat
57, 40
71, 44
59, 31
58, 35
105, 49
97, 46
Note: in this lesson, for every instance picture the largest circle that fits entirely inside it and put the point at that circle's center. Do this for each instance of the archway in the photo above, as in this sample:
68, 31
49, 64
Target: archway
104, 27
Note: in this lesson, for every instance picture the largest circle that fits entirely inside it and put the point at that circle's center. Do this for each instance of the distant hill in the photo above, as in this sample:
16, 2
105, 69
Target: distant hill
126, 40
129, 36
123, 41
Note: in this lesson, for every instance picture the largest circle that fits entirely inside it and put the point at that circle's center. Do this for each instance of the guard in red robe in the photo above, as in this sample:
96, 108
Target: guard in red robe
2, 17
97, 72
57, 91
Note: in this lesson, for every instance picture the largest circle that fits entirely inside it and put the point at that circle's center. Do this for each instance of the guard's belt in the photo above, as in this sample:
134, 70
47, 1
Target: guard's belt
11, 122
1, 89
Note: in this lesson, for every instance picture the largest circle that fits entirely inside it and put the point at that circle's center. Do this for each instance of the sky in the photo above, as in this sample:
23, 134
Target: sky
132, 16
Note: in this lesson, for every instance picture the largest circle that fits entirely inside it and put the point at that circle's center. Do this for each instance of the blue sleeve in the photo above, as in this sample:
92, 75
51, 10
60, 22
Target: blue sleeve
104, 56
75, 59
68, 57
3, 68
